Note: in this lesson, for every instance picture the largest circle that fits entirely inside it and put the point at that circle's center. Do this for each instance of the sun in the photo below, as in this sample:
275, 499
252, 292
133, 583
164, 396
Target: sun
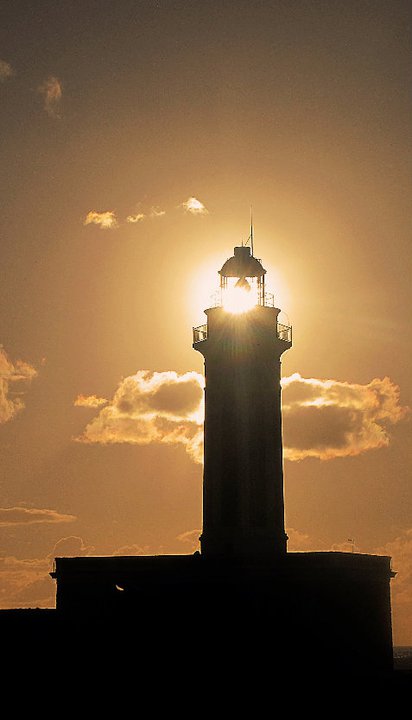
238, 299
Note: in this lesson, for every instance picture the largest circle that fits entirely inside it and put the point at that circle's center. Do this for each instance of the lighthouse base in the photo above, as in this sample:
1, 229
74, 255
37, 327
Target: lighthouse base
314, 612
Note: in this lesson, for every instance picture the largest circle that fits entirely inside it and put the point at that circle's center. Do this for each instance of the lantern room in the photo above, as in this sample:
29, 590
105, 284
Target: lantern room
242, 281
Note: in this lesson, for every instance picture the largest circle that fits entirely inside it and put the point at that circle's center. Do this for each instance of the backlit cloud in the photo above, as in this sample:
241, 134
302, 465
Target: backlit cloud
328, 419
106, 220
162, 407
51, 91
71, 546
6, 70
91, 401
193, 206
31, 516
14, 380
135, 218
324, 419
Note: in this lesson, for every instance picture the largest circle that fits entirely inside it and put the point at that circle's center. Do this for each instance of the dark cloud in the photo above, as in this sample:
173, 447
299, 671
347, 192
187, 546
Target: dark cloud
328, 418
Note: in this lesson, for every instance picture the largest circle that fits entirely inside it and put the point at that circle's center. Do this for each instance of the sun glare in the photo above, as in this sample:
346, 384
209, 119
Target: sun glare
238, 300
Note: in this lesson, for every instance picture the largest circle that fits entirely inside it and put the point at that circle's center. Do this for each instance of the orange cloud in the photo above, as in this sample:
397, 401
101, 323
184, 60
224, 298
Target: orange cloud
71, 546
400, 550
135, 218
106, 220
31, 516
191, 539
14, 379
156, 212
89, 401
26, 583
328, 419
322, 418
193, 206
52, 92
149, 408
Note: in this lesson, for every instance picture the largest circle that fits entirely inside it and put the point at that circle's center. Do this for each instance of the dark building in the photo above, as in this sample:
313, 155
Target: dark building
243, 597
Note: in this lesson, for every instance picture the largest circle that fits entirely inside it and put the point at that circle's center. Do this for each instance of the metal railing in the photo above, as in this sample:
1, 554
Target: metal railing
200, 333
266, 299
283, 333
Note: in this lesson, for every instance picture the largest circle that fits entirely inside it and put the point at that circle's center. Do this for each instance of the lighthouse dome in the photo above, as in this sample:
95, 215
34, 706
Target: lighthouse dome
242, 264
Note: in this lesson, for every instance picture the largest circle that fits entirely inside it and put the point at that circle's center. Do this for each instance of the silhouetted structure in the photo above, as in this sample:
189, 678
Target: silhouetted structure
243, 597
243, 508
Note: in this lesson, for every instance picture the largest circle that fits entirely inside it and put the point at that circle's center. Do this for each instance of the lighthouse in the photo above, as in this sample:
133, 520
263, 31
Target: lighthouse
242, 344
245, 600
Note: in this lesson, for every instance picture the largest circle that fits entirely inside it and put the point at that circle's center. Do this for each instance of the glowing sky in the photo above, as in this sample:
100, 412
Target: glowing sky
135, 136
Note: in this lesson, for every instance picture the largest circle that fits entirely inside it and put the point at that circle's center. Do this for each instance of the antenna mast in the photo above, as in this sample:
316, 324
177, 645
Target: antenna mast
251, 230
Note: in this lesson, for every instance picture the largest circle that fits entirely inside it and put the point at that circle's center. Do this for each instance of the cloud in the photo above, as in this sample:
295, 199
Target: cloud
135, 218
134, 550
298, 541
324, 419
6, 70
52, 91
71, 546
400, 550
107, 220
190, 538
31, 516
159, 407
328, 419
91, 401
14, 380
26, 583
155, 212
193, 206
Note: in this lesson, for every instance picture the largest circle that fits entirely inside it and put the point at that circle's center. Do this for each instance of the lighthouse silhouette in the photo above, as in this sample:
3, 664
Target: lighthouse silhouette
242, 343
244, 593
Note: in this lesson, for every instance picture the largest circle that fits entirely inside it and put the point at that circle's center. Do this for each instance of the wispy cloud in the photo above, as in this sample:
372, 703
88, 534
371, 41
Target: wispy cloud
106, 220
156, 212
14, 379
324, 419
32, 516
52, 91
138, 217
6, 70
90, 401
193, 206
71, 546
191, 539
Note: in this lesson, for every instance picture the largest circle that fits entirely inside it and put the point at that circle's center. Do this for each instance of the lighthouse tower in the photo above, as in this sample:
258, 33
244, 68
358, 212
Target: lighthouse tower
242, 343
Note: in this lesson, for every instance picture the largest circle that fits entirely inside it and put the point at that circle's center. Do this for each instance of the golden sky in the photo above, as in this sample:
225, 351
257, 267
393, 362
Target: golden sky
135, 136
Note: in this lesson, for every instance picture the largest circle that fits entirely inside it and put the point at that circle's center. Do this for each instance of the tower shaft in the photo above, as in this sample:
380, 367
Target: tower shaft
243, 506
